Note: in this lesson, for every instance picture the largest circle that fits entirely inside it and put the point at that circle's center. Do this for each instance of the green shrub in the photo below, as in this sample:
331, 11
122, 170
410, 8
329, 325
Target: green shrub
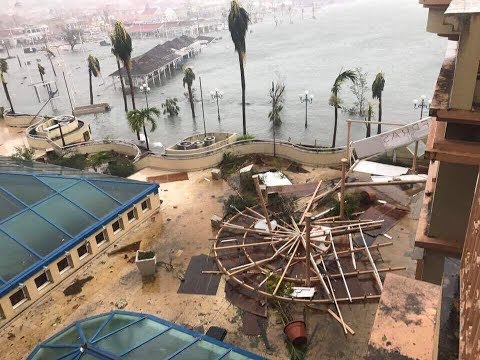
23, 153
239, 202
352, 205
230, 163
71, 160
245, 137
122, 167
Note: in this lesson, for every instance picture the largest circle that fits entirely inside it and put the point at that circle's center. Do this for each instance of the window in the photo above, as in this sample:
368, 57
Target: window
131, 216
63, 265
117, 226
83, 250
42, 280
100, 238
18, 297
145, 205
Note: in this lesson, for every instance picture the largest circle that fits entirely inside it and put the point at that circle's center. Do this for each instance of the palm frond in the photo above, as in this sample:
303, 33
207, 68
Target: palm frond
41, 69
341, 78
238, 20
121, 42
93, 65
378, 85
188, 76
3, 66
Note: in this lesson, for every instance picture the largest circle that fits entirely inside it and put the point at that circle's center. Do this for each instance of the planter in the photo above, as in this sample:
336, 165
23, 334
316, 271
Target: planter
184, 145
209, 140
296, 332
199, 144
146, 262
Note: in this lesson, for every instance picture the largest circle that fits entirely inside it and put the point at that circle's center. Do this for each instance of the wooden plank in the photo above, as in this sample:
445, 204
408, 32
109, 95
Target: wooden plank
349, 329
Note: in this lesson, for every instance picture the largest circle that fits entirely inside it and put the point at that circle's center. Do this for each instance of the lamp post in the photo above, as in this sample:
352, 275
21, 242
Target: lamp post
203, 110
216, 95
145, 89
306, 98
422, 104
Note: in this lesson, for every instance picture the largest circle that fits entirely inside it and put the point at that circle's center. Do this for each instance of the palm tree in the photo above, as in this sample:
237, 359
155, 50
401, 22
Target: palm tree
41, 71
3, 71
377, 90
137, 119
120, 75
122, 48
335, 100
238, 20
188, 78
93, 69
369, 119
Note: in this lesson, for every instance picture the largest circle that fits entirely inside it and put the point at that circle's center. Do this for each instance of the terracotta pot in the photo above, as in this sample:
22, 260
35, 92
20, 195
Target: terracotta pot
296, 332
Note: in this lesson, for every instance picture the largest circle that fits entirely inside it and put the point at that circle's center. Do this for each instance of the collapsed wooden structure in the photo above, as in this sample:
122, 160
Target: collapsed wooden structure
315, 260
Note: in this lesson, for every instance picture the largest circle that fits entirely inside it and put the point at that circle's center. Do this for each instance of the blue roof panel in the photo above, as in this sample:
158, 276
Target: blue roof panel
142, 336
46, 210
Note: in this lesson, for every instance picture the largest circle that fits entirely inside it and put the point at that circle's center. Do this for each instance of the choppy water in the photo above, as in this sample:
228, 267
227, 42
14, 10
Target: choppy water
387, 35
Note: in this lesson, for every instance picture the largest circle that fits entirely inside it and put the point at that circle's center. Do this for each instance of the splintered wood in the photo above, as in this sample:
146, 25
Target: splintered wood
315, 252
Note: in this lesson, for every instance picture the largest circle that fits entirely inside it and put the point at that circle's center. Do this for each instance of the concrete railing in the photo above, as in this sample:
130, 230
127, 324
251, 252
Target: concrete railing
301, 154
21, 120
95, 146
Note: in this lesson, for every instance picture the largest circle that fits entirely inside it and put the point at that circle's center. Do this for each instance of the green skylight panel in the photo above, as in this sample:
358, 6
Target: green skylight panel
25, 187
122, 191
116, 322
58, 183
91, 199
161, 346
131, 336
9, 205
13, 258
39, 235
201, 350
65, 214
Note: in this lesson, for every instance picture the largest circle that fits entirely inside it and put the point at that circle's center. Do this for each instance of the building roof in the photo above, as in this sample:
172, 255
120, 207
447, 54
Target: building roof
46, 210
157, 57
126, 335
463, 7
143, 28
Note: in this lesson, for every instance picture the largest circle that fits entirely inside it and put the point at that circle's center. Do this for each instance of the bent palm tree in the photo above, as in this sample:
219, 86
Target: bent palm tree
137, 119
369, 119
377, 90
188, 78
122, 45
335, 100
41, 71
238, 20
93, 69
120, 76
3, 71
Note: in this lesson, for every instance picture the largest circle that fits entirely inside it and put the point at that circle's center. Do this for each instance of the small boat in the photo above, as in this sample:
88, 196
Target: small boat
105, 43
29, 50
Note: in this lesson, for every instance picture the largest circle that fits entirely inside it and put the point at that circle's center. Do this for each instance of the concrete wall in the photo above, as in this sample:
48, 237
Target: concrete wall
452, 201
70, 138
22, 121
6, 308
92, 147
213, 158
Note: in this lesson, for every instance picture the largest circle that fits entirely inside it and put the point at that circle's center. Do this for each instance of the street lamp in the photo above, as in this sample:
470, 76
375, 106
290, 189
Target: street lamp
422, 104
217, 94
306, 98
145, 89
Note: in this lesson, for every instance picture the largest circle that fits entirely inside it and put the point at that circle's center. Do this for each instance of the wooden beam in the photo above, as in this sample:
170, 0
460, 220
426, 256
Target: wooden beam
349, 329
383, 183
262, 201
309, 204
342, 190
375, 272
308, 229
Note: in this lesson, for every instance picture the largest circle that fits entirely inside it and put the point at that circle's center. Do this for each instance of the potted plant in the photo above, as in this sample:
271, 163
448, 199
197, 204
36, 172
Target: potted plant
146, 262
295, 330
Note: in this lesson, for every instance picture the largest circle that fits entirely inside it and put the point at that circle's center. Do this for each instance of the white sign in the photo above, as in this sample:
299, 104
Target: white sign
392, 139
